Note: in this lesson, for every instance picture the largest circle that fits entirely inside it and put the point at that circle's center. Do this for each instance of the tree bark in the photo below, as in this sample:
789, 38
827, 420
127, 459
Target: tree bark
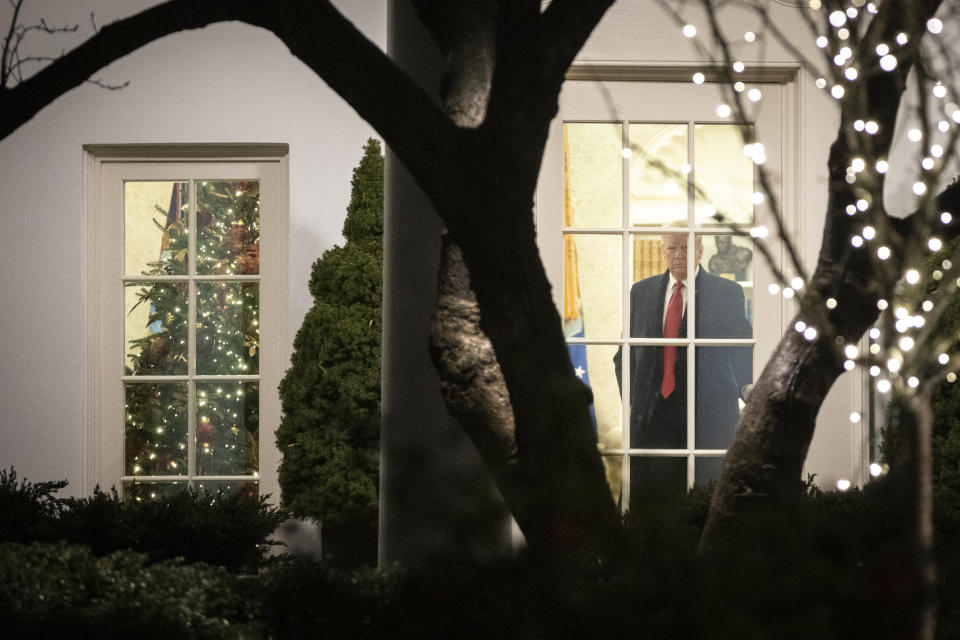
914, 417
764, 463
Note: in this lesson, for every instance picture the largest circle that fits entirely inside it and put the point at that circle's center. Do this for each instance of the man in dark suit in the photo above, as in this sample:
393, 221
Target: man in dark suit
658, 401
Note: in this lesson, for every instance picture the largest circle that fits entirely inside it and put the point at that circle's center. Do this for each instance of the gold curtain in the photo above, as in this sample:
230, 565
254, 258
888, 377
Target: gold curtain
571, 277
647, 259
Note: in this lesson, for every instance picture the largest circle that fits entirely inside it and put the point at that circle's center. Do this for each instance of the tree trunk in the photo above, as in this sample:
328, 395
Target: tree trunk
913, 476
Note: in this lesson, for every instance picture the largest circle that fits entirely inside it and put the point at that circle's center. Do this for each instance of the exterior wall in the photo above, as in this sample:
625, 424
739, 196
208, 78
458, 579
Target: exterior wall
225, 83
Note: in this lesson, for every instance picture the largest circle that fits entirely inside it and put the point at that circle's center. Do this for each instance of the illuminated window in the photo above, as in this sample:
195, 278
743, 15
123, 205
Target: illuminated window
662, 189
187, 322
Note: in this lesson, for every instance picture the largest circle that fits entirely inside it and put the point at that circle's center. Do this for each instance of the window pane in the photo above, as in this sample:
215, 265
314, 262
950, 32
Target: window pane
657, 422
723, 174
592, 174
216, 488
613, 469
228, 332
652, 476
228, 227
227, 428
707, 470
647, 257
138, 491
592, 365
155, 228
658, 173
155, 328
155, 434
725, 287
729, 256
591, 286
722, 373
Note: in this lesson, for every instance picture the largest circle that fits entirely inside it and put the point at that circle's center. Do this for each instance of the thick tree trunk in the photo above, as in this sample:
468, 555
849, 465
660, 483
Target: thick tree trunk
549, 471
913, 417
503, 361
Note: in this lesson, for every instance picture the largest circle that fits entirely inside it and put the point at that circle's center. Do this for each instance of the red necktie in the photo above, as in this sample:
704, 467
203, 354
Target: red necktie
671, 329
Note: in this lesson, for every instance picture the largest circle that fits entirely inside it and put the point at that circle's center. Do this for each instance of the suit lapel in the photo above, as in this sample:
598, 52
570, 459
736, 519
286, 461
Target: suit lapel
657, 320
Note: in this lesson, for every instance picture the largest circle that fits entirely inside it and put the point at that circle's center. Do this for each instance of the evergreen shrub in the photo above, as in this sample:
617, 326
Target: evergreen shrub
226, 530
28, 510
64, 591
330, 430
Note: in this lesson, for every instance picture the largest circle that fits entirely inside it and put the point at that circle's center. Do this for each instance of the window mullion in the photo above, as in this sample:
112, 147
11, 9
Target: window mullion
626, 282
191, 336
692, 264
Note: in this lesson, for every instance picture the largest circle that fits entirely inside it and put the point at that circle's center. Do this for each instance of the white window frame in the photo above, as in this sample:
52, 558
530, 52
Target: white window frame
106, 167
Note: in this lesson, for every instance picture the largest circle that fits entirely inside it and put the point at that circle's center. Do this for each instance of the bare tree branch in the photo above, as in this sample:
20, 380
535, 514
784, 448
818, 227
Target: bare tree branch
315, 32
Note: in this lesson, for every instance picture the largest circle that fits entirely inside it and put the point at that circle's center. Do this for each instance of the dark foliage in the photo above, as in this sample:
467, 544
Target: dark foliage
841, 572
330, 430
837, 573
300, 598
28, 510
64, 591
225, 530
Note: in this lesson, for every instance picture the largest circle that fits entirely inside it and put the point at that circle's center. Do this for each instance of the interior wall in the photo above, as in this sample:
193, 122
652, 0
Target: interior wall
225, 83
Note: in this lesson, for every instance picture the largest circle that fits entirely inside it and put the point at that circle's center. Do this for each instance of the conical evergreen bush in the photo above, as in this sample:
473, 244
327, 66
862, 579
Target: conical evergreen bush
330, 430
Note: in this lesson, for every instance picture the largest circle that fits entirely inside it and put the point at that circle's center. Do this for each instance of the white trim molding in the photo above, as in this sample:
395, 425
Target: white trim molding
103, 234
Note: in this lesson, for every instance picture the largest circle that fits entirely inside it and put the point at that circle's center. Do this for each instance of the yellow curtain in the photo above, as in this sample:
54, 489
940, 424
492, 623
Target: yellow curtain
571, 277
647, 259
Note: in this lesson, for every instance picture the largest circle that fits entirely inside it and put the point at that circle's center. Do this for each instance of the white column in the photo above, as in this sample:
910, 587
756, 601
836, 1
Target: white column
437, 499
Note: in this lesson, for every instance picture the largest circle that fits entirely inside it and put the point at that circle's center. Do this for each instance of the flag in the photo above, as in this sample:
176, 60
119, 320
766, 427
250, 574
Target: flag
573, 326
178, 202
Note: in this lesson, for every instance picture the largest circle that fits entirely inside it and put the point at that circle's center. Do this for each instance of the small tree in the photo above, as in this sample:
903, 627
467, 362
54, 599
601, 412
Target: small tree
330, 430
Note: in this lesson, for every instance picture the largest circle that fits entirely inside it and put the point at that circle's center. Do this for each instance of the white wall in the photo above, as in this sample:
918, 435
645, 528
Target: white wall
226, 83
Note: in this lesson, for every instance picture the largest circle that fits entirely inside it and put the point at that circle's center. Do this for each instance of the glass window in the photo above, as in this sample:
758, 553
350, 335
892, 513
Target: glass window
659, 279
191, 362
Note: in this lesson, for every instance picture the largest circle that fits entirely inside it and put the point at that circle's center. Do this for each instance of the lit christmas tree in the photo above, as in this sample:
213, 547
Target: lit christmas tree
226, 339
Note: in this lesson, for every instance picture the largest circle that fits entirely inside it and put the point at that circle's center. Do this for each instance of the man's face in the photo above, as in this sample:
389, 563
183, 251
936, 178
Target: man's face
674, 250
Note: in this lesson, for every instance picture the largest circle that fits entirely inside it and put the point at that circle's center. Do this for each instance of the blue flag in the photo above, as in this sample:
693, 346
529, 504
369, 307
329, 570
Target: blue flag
578, 356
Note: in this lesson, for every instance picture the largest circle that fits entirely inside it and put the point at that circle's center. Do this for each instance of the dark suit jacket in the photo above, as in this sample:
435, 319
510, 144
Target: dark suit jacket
721, 372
